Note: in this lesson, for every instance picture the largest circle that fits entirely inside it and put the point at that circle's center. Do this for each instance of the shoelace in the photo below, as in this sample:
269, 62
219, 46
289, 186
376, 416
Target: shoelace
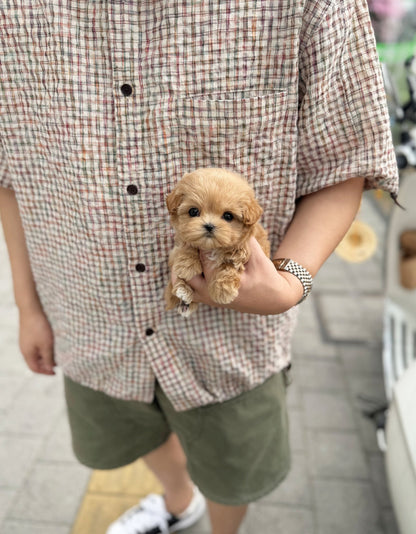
152, 515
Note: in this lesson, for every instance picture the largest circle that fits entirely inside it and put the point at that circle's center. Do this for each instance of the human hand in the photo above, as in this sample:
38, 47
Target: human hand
36, 341
263, 289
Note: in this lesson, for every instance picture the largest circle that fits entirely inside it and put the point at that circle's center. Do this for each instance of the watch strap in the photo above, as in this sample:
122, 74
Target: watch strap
293, 267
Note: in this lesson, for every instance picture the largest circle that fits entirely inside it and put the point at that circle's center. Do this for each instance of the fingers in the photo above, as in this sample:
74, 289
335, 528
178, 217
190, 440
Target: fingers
255, 246
257, 253
200, 287
36, 342
199, 283
48, 360
40, 360
207, 264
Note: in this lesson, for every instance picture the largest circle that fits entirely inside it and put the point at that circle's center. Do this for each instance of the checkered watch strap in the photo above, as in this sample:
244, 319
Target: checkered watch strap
291, 266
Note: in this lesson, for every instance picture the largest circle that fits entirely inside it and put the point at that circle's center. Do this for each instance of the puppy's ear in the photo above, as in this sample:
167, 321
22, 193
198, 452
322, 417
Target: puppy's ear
174, 199
252, 212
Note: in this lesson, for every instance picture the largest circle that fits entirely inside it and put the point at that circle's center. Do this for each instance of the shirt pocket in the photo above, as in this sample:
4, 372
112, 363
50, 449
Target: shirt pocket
233, 131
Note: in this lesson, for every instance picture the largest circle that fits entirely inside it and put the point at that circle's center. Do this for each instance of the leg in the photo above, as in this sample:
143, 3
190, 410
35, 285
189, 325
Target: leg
168, 463
224, 285
225, 466
181, 498
184, 305
225, 519
171, 300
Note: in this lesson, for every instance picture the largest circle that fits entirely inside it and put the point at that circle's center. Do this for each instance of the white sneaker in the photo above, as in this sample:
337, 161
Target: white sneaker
151, 517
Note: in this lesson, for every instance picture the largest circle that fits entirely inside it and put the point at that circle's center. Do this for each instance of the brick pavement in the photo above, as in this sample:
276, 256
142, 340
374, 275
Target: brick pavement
337, 483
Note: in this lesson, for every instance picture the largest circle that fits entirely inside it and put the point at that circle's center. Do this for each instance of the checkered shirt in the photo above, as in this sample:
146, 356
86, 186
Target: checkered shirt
105, 104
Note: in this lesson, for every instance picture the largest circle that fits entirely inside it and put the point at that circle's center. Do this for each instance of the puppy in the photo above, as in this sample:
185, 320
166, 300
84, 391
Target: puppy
211, 210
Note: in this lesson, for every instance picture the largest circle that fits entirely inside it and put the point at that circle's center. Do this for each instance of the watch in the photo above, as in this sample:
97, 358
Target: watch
291, 266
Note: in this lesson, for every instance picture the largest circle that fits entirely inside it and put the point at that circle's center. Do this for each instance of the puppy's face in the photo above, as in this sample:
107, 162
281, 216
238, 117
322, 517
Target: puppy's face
213, 208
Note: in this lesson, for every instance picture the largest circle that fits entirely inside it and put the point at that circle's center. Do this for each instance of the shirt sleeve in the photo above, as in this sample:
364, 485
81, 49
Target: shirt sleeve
5, 177
343, 126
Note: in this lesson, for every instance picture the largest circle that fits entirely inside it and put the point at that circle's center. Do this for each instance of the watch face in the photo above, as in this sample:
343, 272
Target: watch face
281, 263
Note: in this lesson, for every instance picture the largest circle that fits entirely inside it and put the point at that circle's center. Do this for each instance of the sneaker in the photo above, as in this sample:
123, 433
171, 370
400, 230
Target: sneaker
151, 517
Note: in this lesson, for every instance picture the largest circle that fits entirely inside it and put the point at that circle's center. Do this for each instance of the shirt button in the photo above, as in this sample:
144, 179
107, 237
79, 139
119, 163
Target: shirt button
140, 267
149, 331
126, 89
132, 189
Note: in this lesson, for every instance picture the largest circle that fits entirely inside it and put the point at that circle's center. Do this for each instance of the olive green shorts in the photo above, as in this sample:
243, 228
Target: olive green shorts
237, 450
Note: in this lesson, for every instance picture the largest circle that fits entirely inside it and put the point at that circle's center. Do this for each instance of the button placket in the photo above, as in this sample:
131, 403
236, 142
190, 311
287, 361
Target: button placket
125, 50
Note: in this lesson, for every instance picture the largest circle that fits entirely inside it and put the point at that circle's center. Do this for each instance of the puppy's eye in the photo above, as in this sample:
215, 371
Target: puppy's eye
228, 216
193, 212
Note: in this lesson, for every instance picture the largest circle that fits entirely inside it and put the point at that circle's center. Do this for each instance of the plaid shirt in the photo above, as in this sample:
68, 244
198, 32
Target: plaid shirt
105, 104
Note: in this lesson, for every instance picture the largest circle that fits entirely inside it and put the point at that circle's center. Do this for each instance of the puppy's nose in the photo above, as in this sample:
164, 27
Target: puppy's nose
209, 227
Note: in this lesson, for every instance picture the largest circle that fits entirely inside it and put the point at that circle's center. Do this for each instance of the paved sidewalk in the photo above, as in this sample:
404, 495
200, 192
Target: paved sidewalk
337, 483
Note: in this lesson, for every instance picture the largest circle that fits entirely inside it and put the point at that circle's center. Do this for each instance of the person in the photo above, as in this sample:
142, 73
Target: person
387, 19
104, 107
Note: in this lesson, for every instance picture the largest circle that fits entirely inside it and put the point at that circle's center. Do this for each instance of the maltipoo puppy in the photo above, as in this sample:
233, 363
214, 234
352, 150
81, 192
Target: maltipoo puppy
211, 210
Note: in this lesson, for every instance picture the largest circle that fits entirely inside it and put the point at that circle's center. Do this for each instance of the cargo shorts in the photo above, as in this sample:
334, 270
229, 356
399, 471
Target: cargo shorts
237, 451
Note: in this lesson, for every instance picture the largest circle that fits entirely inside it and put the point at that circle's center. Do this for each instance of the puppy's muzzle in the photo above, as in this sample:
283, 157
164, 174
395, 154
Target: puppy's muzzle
209, 227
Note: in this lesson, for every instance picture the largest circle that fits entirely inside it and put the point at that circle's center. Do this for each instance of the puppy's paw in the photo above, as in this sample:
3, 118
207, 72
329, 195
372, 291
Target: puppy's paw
186, 309
224, 286
171, 301
188, 267
224, 293
183, 292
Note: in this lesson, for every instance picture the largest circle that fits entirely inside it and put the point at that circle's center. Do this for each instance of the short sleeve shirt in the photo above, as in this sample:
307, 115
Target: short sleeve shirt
105, 105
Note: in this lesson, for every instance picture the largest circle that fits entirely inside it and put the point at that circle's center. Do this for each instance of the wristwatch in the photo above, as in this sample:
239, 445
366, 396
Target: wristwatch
291, 266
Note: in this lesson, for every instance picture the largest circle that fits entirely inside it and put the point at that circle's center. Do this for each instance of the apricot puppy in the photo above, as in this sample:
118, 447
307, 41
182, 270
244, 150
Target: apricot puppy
211, 210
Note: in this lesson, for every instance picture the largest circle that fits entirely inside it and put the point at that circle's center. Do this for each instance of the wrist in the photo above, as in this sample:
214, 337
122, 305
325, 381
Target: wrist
29, 307
290, 266
295, 286
280, 292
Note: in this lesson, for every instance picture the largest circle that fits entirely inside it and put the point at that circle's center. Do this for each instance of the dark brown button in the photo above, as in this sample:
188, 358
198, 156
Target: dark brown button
140, 267
149, 332
126, 89
132, 189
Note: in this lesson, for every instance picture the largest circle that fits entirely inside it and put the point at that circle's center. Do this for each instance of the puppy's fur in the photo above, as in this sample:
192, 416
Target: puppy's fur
211, 210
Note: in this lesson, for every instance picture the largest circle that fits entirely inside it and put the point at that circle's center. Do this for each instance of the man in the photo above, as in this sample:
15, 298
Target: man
103, 108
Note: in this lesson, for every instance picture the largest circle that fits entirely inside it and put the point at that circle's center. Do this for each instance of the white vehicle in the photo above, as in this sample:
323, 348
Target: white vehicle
399, 364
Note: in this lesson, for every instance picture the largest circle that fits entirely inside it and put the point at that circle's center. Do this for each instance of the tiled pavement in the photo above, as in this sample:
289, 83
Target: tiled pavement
337, 483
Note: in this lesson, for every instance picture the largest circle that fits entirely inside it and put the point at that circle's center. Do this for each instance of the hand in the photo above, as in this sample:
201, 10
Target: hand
263, 289
36, 341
